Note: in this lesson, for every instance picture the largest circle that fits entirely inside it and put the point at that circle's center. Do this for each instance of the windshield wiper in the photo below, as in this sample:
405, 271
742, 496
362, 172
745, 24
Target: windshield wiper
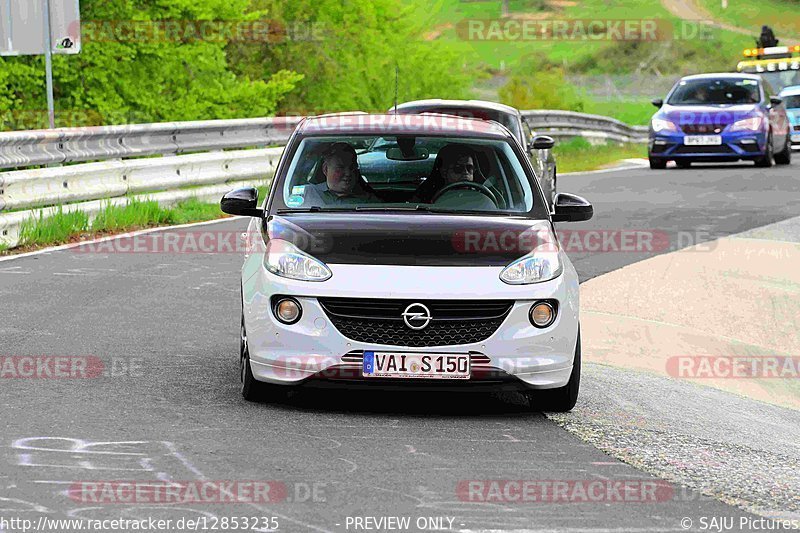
472, 212
313, 209
396, 208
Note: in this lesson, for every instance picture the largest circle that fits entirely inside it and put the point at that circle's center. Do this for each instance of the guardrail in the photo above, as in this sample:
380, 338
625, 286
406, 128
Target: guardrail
568, 124
198, 159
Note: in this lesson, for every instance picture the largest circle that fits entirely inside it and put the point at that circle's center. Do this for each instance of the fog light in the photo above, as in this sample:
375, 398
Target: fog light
542, 314
288, 310
747, 141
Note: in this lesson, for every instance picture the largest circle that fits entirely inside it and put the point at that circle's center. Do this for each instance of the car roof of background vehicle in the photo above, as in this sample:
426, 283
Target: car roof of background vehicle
459, 104
401, 124
724, 75
792, 90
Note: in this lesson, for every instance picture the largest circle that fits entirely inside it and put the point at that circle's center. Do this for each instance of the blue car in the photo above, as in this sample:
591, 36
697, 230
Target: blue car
791, 99
719, 118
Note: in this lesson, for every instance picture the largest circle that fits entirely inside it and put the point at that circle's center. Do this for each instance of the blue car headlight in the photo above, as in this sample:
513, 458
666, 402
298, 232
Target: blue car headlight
755, 123
660, 124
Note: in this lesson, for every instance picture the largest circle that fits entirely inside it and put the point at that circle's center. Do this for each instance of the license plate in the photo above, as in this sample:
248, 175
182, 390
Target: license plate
702, 140
416, 365
796, 137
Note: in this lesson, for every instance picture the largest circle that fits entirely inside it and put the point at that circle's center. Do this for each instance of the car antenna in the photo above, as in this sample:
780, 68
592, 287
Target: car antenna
396, 78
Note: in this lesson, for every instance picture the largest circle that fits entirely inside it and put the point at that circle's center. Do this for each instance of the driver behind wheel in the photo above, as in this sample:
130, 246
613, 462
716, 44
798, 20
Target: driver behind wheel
454, 163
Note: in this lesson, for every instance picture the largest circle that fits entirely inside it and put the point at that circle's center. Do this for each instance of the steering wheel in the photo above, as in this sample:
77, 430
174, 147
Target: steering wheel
466, 185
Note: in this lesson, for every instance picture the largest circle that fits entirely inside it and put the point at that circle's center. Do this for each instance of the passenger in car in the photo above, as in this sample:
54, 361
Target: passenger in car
454, 163
343, 182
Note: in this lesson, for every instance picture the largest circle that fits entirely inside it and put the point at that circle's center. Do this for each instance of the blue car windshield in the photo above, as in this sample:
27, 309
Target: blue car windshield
727, 91
792, 102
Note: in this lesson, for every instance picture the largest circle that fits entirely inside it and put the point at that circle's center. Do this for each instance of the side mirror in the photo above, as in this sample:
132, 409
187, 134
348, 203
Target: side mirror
242, 202
571, 208
774, 100
658, 102
543, 142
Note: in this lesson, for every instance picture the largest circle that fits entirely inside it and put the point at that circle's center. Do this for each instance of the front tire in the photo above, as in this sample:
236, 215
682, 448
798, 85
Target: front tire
784, 157
252, 389
562, 399
657, 163
766, 160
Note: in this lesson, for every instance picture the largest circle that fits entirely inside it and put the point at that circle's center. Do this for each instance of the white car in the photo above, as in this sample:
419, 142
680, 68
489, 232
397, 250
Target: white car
453, 279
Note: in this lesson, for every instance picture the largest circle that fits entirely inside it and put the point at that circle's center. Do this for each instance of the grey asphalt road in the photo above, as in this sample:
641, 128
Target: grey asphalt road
167, 407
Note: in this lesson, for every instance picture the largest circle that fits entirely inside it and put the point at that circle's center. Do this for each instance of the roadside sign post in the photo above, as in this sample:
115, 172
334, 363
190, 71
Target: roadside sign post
48, 66
44, 27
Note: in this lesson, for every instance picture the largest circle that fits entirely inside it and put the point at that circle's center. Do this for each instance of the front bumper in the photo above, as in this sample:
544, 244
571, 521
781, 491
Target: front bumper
314, 352
735, 146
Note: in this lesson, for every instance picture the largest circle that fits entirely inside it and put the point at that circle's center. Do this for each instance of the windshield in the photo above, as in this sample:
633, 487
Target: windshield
367, 173
507, 120
781, 79
792, 102
727, 91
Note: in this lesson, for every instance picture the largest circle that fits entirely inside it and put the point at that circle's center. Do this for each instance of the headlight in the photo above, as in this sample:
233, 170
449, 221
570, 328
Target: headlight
540, 265
284, 259
660, 124
748, 124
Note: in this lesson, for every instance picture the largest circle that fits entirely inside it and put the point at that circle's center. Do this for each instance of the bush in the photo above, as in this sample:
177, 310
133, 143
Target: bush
350, 62
118, 79
546, 88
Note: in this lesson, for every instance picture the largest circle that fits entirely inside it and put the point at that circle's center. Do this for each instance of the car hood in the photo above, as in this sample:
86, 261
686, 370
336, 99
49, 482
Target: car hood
415, 239
704, 114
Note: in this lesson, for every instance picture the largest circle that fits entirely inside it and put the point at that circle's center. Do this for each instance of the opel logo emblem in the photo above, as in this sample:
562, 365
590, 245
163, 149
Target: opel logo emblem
417, 316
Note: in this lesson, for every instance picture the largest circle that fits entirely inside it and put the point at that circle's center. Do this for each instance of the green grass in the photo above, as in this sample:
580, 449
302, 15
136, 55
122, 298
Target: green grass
633, 113
577, 155
136, 214
56, 229
723, 47
63, 227
193, 211
782, 15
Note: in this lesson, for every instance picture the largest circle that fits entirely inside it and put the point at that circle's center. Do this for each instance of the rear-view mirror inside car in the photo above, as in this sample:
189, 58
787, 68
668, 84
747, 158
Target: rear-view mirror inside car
414, 154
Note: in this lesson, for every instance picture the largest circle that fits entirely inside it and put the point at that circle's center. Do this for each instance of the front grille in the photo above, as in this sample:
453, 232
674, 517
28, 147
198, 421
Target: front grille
702, 128
453, 322
797, 127
709, 149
